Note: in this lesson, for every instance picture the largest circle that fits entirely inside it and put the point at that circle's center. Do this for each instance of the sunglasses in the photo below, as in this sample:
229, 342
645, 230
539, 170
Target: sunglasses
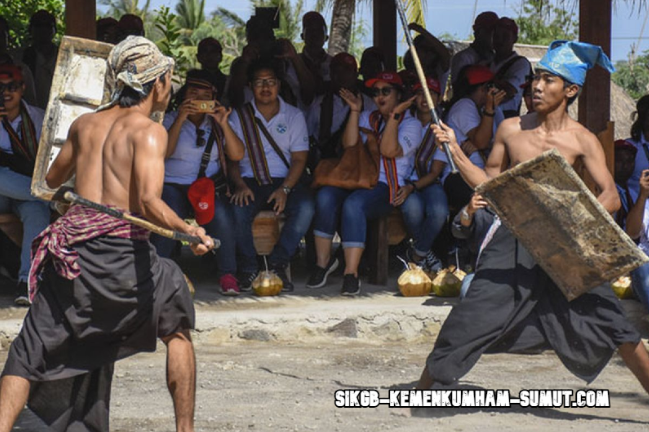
10, 87
385, 91
270, 82
200, 137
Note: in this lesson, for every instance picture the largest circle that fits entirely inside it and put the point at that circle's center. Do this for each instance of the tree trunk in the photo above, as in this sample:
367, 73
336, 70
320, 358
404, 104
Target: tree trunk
342, 19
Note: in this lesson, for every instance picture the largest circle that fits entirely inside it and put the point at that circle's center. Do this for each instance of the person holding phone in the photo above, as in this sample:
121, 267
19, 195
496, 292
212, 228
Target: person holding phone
637, 226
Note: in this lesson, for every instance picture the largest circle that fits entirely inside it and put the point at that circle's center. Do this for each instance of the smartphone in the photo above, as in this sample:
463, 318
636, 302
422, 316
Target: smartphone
205, 106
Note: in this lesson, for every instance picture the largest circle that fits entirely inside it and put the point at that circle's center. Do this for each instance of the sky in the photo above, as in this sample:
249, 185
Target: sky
455, 18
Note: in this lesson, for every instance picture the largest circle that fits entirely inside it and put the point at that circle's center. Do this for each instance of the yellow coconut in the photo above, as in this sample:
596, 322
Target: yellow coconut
448, 282
414, 282
622, 287
267, 283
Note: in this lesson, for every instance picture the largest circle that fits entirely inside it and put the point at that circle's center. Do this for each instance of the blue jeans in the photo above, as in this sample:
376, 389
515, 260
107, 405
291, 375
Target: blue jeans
352, 208
16, 186
425, 213
640, 284
466, 283
34, 215
220, 227
299, 211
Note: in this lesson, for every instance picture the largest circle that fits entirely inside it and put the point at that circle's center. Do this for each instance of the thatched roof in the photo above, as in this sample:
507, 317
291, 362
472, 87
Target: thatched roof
622, 105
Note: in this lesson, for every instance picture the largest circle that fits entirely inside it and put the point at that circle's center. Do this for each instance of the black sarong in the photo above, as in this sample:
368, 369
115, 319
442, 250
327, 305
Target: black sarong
125, 298
512, 305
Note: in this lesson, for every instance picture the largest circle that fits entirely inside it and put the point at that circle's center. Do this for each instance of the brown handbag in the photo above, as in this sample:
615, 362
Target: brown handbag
357, 168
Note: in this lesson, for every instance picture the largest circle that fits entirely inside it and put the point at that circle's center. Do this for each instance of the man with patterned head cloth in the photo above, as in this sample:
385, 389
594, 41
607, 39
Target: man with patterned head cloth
99, 291
512, 304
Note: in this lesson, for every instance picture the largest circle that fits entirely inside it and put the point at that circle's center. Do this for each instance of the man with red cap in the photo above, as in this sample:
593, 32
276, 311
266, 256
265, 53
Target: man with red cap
480, 52
19, 136
510, 68
201, 142
314, 35
209, 55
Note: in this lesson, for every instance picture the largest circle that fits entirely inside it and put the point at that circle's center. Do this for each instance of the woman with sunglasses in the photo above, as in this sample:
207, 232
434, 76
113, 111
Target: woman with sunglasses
422, 199
398, 135
199, 129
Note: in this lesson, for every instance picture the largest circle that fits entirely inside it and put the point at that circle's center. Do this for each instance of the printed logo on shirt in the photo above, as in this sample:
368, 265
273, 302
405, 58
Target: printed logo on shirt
282, 128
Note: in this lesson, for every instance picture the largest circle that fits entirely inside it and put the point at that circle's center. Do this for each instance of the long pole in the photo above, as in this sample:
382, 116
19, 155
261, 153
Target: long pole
175, 235
422, 80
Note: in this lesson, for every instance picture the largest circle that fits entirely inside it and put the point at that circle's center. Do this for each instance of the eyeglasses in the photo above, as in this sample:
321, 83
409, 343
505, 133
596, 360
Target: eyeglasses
385, 91
490, 86
270, 82
200, 137
10, 87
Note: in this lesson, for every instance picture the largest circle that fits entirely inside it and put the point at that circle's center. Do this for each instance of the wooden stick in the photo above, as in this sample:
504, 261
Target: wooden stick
175, 235
422, 80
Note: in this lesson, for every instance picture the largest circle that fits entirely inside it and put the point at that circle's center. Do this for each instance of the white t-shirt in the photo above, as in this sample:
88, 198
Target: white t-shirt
36, 114
641, 163
340, 111
183, 165
436, 156
288, 129
409, 136
515, 75
644, 234
466, 57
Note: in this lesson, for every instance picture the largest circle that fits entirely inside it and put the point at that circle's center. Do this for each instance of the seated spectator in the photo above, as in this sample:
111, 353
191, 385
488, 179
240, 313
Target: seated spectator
435, 58
510, 68
423, 202
268, 176
637, 226
526, 88
108, 30
40, 57
474, 115
130, 25
372, 63
640, 139
199, 143
328, 114
316, 59
297, 81
19, 136
6, 58
399, 135
209, 55
480, 52
625, 154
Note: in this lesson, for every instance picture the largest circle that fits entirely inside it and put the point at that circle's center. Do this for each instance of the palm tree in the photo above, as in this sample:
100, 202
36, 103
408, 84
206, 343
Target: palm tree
342, 19
190, 14
117, 8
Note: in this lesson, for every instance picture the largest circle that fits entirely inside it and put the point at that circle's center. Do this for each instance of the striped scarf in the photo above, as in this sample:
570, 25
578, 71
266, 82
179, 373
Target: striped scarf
79, 224
254, 145
425, 153
24, 144
389, 164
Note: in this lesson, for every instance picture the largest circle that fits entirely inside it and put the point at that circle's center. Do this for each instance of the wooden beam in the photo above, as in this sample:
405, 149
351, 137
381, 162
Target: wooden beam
385, 30
80, 18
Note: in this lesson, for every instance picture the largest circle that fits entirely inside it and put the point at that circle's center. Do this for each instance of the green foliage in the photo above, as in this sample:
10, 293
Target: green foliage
540, 23
190, 14
171, 43
117, 8
633, 76
18, 12
290, 19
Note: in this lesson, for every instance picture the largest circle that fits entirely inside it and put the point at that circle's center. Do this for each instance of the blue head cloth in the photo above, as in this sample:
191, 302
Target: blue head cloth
571, 60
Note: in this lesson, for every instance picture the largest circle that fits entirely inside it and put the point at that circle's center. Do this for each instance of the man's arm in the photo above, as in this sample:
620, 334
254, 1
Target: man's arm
472, 174
64, 164
635, 217
595, 162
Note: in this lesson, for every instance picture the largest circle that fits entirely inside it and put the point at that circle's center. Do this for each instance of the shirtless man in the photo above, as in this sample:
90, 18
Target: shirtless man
120, 296
512, 304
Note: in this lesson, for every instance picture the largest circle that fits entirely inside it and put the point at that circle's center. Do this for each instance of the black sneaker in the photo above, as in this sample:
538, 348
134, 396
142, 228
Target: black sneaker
351, 285
22, 294
245, 281
287, 284
318, 278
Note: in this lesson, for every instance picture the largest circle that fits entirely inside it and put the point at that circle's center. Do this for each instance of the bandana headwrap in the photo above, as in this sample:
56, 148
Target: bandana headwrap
133, 63
571, 60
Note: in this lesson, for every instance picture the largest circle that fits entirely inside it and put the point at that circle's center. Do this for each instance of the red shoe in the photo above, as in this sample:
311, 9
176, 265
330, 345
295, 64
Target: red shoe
229, 285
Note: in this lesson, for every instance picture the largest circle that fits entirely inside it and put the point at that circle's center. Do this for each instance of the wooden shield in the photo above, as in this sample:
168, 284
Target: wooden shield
553, 214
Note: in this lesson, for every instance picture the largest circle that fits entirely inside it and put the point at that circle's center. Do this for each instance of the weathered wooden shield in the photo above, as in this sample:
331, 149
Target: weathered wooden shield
553, 214
77, 88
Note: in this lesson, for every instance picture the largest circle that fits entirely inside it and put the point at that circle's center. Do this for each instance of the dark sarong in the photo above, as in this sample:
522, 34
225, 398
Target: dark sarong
123, 300
513, 306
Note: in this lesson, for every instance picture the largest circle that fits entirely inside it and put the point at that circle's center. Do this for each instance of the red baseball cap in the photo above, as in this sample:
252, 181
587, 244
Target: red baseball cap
432, 84
478, 74
485, 20
385, 76
9, 71
345, 60
622, 144
201, 196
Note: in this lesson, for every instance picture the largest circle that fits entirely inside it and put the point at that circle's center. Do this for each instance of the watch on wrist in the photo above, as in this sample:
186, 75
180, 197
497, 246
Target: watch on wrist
396, 116
286, 189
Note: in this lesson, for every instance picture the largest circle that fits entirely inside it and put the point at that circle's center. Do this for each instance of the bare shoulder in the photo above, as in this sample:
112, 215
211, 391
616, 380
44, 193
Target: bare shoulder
146, 132
508, 128
587, 140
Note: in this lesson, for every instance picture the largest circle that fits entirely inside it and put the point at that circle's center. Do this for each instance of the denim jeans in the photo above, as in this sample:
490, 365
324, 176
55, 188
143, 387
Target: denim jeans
352, 208
424, 213
299, 211
16, 186
35, 217
640, 284
220, 227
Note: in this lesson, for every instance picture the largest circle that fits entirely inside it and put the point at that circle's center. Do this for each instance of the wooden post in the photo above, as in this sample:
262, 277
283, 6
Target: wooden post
80, 18
385, 31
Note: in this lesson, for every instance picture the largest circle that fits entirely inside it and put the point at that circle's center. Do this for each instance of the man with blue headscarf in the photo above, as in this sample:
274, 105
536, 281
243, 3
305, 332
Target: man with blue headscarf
512, 304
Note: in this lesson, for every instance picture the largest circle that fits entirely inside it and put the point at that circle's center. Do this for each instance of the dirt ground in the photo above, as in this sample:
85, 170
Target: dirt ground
268, 386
